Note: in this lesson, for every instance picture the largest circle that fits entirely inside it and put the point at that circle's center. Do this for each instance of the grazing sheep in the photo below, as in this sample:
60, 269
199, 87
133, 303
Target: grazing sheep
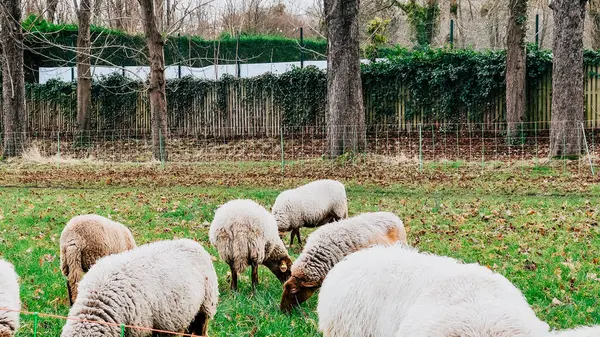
165, 285
85, 239
588, 331
9, 299
245, 233
311, 205
330, 244
397, 291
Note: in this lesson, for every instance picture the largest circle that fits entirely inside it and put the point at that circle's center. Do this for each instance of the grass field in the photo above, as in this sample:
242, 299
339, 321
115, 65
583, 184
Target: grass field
538, 226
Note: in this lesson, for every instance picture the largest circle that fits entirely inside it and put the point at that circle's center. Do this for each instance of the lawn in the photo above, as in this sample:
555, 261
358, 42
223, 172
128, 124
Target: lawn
538, 227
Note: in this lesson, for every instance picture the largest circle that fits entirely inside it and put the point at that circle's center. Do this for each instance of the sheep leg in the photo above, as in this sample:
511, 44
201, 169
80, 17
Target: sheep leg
70, 293
298, 236
234, 278
292, 237
254, 275
199, 325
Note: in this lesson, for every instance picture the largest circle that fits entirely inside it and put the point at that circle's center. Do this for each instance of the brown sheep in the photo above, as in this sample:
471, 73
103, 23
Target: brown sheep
84, 240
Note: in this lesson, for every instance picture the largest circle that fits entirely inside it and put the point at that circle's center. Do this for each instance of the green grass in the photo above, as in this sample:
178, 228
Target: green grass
545, 241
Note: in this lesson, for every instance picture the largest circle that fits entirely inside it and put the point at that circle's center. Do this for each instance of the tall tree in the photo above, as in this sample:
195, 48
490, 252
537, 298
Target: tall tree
567, 77
515, 66
595, 21
51, 10
157, 87
345, 111
84, 74
13, 79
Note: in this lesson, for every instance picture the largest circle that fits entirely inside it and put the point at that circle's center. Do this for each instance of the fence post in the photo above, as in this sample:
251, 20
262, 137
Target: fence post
587, 149
179, 54
537, 31
420, 148
301, 47
122, 330
452, 33
482, 148
282, 151
35, 324
58, 153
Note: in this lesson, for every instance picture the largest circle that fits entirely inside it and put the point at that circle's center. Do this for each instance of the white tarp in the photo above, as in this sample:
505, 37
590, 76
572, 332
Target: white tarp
213, 72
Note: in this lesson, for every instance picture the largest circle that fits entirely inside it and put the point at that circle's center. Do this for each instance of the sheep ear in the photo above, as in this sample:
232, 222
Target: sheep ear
283, 267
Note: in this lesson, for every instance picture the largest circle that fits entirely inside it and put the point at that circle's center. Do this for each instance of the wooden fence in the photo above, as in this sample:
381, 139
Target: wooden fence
258, 114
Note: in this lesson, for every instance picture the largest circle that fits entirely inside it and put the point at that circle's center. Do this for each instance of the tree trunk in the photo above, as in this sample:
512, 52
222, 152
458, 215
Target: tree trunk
13, 79
157, 88
51, 10
345, 111
84, 75
567, 78
515, 67
595, 20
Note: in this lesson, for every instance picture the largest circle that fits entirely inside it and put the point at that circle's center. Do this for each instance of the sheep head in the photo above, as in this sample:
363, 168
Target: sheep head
295, 292
281, 268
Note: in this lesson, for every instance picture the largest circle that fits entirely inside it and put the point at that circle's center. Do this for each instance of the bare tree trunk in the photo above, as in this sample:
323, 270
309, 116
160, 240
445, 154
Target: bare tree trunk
97, 12
119, 14
515, 66
13, 79
157, 88
567, 78
51, 10
595, 19
84, 75
345, 110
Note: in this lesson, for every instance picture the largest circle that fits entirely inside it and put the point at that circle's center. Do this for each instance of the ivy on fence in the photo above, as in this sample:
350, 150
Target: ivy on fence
434, 84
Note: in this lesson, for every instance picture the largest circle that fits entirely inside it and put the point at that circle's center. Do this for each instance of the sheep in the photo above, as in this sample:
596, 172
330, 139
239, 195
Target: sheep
9, 299
243, 232
330, 244
85, 239
165, 285
311, 205
588, 331
397, 291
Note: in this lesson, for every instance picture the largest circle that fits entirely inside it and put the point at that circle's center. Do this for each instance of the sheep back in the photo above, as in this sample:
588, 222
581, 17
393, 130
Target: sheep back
9, 299
84, 240
397, 291
244, 231
330, 244
163, 285
311, 205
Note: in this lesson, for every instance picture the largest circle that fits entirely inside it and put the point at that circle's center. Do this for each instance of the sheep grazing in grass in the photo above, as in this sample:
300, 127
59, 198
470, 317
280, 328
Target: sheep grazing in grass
9, 299
165, 285
84, 240
311, 205
397, 291
245, 233
588, 331
330, 244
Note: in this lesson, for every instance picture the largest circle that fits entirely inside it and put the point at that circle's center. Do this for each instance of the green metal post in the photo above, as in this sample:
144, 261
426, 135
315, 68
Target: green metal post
122, 330
179, 55
35, 324
301, 47
451, 33
537, 31
282, 152
420, 148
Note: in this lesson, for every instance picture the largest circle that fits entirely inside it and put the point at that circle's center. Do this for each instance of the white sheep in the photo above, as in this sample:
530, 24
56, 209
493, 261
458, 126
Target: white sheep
397, 291
9, 299
84, 240
588, 331
311, 205
244, 232
330, 244
165, 285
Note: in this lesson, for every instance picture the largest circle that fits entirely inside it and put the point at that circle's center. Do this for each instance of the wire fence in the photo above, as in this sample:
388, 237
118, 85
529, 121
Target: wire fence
121, 328
467, 142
